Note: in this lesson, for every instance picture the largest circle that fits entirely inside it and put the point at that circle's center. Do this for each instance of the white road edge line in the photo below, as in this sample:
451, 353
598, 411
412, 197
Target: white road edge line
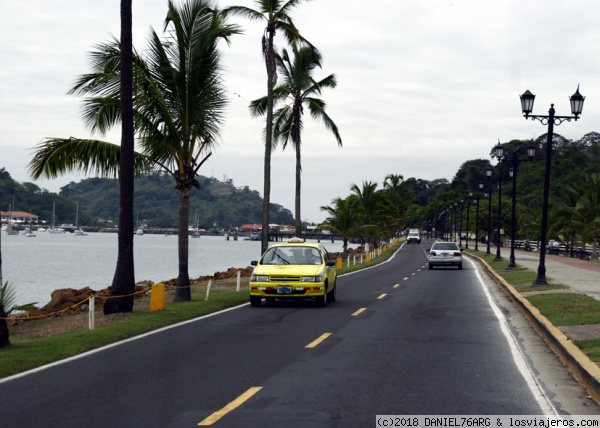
518, 356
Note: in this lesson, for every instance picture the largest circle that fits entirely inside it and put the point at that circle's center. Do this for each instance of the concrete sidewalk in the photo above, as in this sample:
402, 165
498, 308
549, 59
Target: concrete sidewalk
581, 276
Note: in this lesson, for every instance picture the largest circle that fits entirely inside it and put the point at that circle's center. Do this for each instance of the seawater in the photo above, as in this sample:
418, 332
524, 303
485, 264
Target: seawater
39, 265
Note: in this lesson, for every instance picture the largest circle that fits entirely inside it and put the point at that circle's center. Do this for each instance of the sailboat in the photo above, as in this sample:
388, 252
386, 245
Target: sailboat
78, 231
53, 228
196, 232
140, 230
29, 233
9, 225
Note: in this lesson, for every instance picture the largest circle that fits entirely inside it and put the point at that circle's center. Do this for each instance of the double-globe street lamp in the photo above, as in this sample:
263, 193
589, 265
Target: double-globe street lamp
551, 119
477, 196
512, 155
499, 181
488, 174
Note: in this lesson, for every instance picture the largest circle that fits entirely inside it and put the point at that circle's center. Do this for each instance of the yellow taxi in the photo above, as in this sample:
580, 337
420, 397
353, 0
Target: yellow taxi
294, 270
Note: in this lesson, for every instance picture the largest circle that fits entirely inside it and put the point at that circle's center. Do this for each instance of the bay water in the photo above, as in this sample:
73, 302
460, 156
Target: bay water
38, 265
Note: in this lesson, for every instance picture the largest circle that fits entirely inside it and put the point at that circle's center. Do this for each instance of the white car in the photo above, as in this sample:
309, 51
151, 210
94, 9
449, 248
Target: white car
413, 237
445, 254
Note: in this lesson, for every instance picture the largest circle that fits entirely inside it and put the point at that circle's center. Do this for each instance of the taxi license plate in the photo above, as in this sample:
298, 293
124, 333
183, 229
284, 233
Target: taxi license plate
445, 254
284, 290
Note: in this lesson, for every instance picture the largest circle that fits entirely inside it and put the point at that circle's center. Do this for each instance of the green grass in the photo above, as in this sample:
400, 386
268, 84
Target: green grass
20, 357
28, 354
567, 308
591, 348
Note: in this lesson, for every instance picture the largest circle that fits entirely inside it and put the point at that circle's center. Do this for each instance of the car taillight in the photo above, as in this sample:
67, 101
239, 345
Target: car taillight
432, 253
457, 254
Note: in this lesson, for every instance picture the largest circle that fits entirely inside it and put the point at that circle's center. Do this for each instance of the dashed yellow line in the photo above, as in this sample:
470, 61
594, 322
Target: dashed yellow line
381, 296
397, 285
406, 278
360, 311
230, 407
317, 341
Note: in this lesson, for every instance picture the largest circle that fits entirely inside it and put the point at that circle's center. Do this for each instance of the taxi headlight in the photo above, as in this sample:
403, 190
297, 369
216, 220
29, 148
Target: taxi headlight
259, 278
316, 278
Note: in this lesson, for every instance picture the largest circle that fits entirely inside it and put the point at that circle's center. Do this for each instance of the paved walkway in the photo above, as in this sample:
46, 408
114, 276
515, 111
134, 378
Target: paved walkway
581, 276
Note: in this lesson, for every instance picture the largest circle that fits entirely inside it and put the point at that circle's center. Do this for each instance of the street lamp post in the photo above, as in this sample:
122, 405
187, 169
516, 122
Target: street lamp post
498, 257
477, 218
513, 156
488, 174
551, 119
460, 229
468, 209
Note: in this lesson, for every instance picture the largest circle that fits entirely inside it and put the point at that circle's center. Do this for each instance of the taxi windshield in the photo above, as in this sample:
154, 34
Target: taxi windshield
292, 255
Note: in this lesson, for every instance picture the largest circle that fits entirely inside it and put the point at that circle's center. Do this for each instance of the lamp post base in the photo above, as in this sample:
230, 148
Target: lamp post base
541, 276
511, 264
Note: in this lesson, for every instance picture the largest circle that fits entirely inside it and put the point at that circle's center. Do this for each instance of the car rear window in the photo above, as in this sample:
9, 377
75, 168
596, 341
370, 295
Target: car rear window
445, 246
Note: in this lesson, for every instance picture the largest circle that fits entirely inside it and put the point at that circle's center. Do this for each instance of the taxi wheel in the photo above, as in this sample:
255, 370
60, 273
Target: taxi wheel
331, 296
430, 266
255, 301
321, 300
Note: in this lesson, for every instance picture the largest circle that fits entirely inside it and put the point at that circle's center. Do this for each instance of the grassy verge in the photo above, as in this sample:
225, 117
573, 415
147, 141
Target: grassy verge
29, 349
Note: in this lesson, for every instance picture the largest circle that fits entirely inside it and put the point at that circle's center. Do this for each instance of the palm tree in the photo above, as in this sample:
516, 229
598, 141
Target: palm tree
123, 283
4, 333
375, 210
343, 220
297, 90
179, 106
276, 15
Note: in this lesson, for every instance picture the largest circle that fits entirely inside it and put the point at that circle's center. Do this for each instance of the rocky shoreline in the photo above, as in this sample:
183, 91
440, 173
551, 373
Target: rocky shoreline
69, 300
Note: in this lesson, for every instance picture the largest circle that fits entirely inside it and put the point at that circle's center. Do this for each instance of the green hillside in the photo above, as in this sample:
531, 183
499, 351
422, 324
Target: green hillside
156, 202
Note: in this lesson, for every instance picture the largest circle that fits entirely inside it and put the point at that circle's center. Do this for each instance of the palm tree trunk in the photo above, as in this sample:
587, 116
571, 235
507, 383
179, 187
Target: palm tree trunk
271, 77
183, 293
124, 280
4, 334
298, 187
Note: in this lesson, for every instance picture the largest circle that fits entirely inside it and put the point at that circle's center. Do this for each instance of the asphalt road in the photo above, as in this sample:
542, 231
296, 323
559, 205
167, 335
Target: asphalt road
399, 340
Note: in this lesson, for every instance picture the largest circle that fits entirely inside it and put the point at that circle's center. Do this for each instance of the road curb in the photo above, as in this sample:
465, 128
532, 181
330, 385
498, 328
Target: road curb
584, 370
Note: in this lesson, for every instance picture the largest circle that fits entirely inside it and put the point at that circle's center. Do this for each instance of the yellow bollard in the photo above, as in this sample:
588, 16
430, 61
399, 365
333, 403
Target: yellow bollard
339, 263
368, 258
157, 298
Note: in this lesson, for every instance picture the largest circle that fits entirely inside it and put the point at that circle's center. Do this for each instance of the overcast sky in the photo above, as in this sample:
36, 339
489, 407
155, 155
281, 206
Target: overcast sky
423, 86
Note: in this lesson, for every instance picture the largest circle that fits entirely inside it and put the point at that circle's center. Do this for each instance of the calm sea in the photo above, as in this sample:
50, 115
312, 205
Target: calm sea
37, 266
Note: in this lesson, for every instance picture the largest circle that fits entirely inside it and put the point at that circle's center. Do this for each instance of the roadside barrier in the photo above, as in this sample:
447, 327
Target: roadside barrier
157, 301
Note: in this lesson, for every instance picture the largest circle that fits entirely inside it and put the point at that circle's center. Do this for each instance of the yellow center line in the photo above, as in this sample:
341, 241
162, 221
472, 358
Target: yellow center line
413, 274
406, 278
397, 285
315, 342
360, 311
381, 296
231, 406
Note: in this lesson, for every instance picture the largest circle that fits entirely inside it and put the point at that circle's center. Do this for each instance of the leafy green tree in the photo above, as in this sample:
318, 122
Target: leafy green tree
375, 209
179, 107
343, 220
276, 15
297, 91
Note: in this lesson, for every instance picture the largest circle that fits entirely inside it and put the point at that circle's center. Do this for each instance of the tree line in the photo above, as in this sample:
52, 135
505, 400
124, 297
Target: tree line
373, 212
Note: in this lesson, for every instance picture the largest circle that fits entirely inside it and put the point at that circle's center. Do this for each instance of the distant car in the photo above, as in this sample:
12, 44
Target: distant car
445, 254
294, 270
413, 237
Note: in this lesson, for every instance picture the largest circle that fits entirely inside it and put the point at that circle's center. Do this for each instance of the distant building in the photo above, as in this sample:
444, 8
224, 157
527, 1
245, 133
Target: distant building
17, 217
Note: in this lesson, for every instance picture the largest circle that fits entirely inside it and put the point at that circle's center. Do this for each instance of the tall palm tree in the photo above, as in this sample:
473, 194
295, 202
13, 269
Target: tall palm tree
123, 283
298, 90
276, 15
179, 107
4, 333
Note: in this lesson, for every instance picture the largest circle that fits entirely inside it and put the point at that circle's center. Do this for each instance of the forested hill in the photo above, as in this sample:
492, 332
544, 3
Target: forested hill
156, 202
